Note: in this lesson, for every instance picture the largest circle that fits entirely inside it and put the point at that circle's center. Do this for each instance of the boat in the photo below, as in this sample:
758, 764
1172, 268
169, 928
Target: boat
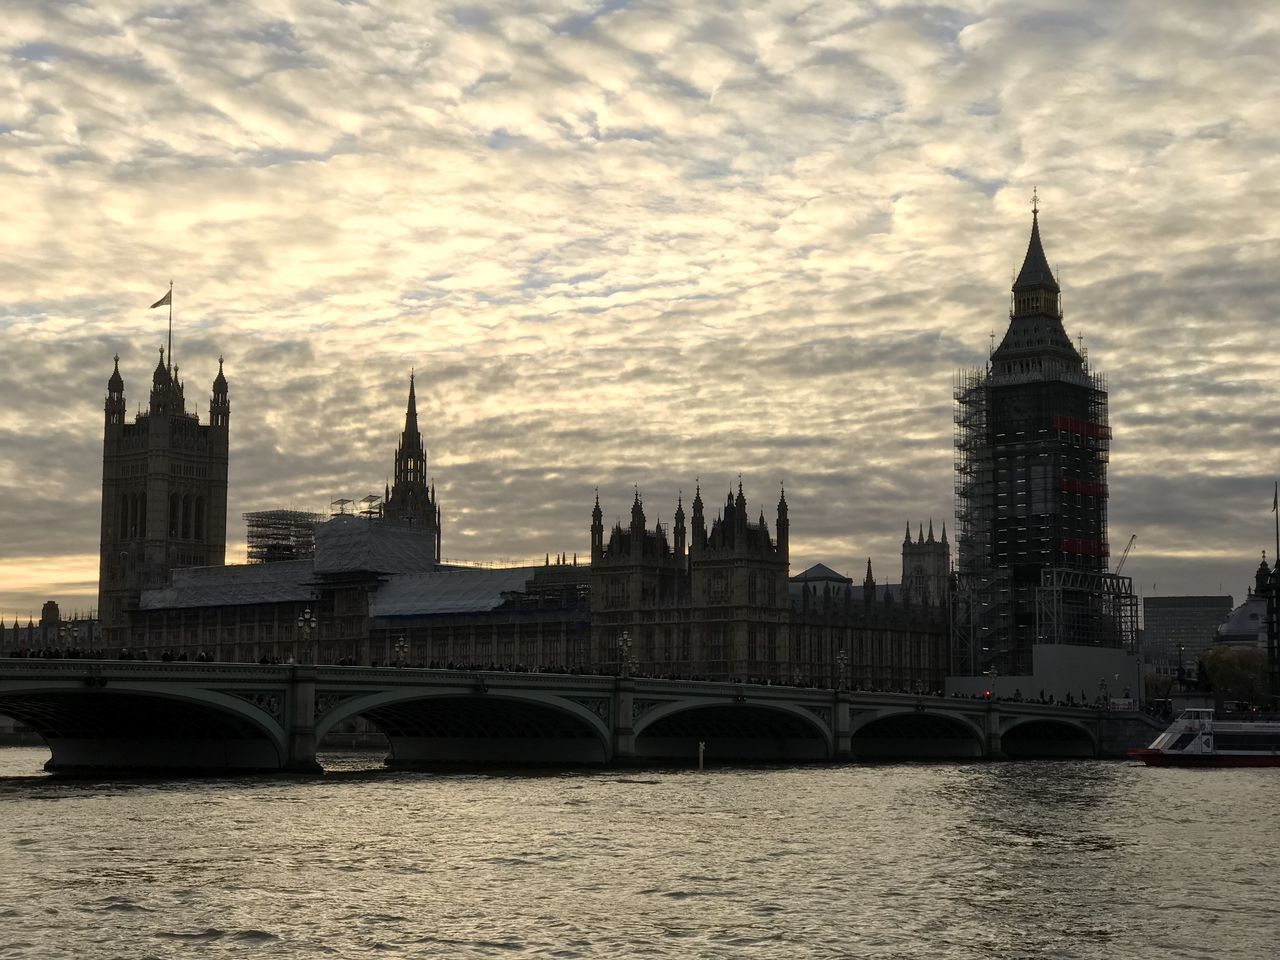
1196, 739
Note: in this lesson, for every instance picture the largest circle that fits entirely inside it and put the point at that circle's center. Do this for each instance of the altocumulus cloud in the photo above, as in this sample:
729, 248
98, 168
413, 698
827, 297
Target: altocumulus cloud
636, 243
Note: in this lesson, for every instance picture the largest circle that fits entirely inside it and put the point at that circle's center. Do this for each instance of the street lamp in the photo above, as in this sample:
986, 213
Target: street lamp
842, 664
66, 634
307, 623
624, 652
402, 651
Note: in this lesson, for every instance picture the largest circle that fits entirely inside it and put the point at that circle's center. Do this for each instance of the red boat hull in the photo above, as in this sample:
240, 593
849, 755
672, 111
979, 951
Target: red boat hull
1158, 758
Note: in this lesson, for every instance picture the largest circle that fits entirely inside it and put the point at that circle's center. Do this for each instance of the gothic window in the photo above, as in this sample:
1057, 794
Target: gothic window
142, 514
718, 588
124, 516
174, 512
199, 518
186, 517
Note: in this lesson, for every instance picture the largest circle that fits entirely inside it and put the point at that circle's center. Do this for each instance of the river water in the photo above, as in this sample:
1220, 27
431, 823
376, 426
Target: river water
1000, 860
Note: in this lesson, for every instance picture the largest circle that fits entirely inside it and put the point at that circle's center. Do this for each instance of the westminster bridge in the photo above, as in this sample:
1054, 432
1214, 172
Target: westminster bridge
100, 715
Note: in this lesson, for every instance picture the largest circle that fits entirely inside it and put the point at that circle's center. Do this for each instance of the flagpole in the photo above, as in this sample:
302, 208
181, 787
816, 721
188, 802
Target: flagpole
171, 326
1275, 502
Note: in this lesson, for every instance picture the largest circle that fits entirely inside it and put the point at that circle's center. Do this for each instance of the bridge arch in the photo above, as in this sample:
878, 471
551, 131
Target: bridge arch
733, 730
1030, 737
915, 733
118, 727
432, 725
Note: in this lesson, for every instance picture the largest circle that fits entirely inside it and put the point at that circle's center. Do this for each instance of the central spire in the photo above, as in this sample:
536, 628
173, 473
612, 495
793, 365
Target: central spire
1035, 333
1035, 273
411, 415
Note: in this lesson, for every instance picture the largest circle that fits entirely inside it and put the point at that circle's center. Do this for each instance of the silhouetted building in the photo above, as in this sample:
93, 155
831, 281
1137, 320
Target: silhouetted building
1032, 444
865, 637
1179, 629
709, 603
408, 498
164, 492
926, 568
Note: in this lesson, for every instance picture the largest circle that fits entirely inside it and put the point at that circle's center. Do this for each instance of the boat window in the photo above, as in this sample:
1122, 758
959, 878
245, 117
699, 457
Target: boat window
1183, 741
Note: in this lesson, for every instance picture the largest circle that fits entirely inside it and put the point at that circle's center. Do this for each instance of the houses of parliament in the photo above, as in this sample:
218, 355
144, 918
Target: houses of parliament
711, 596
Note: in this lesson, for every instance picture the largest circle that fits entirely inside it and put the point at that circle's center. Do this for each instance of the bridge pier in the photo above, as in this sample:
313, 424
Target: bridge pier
994, 750
841, 723
624, 734
301, 718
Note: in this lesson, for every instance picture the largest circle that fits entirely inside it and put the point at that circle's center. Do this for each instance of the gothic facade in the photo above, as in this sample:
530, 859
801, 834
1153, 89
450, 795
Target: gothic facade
708, 601
409, 499
164, 492
926, 568
864, 637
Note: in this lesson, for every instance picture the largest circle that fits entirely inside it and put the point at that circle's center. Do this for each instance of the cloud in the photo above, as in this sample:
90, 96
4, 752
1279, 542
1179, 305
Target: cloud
637, 244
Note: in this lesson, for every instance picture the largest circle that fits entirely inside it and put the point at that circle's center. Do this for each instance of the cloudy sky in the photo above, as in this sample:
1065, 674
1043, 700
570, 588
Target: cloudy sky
636, 244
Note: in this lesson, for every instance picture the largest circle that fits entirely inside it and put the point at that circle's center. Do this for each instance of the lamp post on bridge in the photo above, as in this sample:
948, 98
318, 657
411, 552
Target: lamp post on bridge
624, 654
307, 623
402, 651
842, 667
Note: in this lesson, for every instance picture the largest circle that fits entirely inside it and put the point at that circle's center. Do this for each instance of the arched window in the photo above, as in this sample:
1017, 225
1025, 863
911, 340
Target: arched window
142, 514
124, 515
186, 516
174, 510
199, 526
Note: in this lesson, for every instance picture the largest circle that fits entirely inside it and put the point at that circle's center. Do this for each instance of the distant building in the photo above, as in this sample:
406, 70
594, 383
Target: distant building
374, 586
863, 636
164, 492
409, 499
1032, 445
926, 568
52, 633
377, 596
1178, 630
709, 603
1246, 625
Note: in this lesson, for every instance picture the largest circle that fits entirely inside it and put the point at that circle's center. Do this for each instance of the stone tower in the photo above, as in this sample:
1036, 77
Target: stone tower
164, 492
926, 568
409, 499
1032, 446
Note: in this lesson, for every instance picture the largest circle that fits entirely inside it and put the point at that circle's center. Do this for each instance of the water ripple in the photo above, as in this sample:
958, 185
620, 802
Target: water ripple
1081, 860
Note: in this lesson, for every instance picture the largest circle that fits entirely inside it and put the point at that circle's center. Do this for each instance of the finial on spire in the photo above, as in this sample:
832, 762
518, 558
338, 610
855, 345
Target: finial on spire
1035, 201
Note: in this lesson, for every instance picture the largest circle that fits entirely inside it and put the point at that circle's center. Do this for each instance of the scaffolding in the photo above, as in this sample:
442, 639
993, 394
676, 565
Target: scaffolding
276, 535
1032, 443
1087, 609
974, 501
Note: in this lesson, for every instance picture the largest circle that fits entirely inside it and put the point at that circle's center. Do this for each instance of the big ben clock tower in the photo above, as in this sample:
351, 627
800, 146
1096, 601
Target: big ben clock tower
1031, 486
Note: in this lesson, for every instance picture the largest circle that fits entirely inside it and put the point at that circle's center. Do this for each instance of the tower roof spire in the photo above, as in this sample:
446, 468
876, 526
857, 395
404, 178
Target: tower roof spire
411, 439
1035, 272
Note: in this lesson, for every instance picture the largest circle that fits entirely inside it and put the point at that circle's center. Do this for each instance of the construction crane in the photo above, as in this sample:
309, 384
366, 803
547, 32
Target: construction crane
1125, 556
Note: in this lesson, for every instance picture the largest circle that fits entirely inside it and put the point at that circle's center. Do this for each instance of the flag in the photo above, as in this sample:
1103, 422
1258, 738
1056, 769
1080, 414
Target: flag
166, 299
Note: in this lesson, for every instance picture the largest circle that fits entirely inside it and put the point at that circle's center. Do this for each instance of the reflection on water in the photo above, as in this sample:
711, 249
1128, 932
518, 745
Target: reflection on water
1029, 860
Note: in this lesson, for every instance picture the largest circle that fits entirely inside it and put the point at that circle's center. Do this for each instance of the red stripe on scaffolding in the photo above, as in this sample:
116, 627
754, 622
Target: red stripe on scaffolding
1086, 428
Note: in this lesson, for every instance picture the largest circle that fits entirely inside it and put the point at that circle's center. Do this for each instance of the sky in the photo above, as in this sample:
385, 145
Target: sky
637, 246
